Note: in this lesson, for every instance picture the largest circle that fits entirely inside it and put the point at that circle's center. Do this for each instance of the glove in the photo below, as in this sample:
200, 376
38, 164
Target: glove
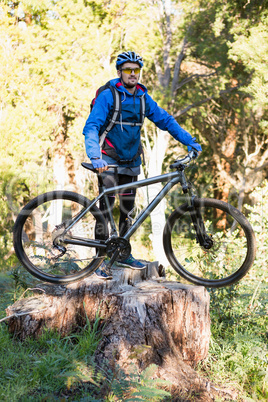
194, 146
98, 163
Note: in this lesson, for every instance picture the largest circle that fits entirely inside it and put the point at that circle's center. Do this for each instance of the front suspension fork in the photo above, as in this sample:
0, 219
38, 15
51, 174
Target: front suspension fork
201, 235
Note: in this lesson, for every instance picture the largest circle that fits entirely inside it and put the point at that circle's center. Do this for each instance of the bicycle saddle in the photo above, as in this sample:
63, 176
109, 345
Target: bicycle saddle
90, 167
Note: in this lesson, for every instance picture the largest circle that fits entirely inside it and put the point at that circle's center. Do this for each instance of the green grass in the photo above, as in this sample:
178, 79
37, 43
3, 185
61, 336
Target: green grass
238, 355
49, 367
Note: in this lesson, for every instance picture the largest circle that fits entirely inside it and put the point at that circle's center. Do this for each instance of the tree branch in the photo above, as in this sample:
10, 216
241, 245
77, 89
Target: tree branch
178, 67
195, 104
20, 314
167, 44
191, 78
165, 29
259, 168
185, 110
159, 73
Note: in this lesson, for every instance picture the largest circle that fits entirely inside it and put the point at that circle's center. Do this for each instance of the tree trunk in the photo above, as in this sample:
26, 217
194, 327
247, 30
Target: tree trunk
158, 220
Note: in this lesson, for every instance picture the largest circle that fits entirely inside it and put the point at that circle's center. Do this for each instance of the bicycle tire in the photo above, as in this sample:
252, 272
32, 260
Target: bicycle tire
233, 250
36, 227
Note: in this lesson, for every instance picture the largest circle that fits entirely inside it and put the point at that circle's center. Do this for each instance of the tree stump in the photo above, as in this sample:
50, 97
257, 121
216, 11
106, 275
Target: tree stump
148, 319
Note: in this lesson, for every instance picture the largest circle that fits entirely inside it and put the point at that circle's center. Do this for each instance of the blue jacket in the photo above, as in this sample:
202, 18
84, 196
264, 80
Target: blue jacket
126, 138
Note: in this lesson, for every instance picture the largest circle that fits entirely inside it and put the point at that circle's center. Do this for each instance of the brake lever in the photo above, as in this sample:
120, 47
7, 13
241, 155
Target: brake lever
193, 154
180, 164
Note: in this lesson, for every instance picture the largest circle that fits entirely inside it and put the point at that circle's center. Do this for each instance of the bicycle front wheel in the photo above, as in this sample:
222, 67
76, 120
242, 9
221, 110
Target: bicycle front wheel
232, 244
43, 220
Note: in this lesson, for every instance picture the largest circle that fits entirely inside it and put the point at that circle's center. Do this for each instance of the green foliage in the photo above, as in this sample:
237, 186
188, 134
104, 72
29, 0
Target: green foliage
225, 80
50, 365
54, 55
54, 368
250, 48
259, 221
22, 281
133, 386
238, 352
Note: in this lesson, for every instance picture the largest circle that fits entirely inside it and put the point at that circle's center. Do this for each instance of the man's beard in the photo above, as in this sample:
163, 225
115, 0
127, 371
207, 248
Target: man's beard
128, 85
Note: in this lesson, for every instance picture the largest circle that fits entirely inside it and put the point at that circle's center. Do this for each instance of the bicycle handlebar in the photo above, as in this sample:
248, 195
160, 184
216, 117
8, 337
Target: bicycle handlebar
180, 163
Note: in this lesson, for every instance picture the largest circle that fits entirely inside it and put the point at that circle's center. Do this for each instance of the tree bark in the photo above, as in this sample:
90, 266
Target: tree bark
148, 319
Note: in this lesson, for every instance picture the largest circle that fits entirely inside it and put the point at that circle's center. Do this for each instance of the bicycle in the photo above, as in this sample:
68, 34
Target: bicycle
62, 237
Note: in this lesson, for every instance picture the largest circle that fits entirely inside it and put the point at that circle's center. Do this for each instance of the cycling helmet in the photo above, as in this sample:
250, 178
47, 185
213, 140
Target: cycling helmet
128, 57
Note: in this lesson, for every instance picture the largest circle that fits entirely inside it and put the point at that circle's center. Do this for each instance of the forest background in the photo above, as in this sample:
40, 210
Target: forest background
206, 63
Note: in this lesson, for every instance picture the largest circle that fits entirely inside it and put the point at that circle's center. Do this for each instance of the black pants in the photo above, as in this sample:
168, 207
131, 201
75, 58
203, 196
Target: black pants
126, 199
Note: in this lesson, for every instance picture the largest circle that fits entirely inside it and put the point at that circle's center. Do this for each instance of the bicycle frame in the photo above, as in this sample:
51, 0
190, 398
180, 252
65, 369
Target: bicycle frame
172, 178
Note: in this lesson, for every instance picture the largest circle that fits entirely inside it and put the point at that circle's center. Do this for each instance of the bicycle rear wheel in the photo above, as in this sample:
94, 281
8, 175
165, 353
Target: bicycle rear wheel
232, 249
43, 220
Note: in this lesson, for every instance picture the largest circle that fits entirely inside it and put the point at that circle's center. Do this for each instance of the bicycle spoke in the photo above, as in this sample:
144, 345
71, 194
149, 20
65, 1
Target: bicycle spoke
226, 256
43, 238
227, 253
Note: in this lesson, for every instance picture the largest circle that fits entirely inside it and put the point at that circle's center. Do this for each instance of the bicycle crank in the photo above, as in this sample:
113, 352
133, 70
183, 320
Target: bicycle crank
118, 243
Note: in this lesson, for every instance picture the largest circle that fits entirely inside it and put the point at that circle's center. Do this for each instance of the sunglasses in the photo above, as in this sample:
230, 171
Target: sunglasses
129, 70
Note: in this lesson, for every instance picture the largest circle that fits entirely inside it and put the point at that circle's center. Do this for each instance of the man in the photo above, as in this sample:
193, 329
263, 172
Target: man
122, 144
